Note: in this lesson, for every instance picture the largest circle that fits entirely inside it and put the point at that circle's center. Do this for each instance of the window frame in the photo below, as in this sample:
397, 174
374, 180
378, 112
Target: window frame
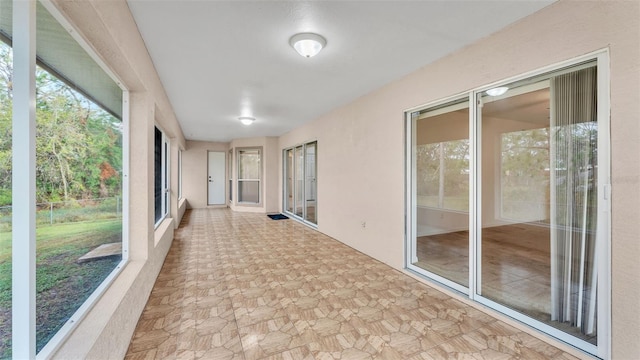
294, 167
179, 174
24, 252
259, 180
165, 178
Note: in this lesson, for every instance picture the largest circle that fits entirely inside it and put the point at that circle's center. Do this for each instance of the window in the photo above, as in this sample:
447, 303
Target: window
230, 172
530, 181
161, 176
249, 174
179, 174
72, 204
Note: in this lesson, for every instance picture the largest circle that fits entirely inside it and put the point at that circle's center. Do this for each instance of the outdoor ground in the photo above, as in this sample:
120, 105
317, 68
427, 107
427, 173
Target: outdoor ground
62, 283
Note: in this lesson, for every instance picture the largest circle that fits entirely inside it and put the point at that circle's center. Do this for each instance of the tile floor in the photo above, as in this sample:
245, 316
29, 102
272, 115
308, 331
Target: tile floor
242, 286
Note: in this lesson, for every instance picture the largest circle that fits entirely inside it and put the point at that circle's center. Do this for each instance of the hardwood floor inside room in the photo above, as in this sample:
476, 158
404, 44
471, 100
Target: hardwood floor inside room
516, 267
242, 286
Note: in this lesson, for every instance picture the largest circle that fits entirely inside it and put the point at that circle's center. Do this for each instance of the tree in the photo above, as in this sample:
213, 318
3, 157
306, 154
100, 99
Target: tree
78, 144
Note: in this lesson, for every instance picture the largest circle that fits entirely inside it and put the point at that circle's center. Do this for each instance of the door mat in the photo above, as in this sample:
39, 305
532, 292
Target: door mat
278, 217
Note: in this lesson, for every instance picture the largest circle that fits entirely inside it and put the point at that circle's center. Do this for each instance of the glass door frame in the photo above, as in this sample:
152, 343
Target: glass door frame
603, 246
411, 196
294, 191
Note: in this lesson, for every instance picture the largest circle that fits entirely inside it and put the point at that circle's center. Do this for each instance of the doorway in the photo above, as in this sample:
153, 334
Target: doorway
216, 178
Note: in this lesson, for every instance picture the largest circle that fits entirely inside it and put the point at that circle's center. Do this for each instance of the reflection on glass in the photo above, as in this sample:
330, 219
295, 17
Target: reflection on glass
442, 191
539, 145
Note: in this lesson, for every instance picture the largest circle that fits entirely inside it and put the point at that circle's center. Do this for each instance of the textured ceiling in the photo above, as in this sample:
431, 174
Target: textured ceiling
219, 60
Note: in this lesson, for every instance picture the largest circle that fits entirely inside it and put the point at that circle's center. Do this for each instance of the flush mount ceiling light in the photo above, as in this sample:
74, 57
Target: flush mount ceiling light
246, 120
497, 91
307, 44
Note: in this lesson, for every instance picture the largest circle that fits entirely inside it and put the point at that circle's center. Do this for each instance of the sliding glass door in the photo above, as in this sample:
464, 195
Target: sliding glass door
509, 202
300, 185
288, 182
441, 176
310, 183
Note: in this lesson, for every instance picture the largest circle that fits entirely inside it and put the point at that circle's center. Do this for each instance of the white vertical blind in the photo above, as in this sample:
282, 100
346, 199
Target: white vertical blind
574, 147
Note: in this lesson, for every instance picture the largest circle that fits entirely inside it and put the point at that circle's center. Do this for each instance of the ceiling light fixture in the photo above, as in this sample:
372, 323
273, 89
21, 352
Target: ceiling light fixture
307, 44
497, 91
246, 120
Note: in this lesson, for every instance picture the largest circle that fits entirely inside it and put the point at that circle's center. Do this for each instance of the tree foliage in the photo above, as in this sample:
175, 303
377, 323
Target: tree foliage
78, 144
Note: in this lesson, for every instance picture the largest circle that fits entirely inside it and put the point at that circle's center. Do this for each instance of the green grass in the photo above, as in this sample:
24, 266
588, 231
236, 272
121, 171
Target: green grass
62, 284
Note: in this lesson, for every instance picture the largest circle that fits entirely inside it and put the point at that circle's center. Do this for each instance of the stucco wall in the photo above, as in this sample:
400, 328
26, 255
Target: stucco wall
361, 145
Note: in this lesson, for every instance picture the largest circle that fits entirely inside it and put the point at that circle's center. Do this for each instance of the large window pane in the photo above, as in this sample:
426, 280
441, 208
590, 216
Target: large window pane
78, 184
441, 175
538, 237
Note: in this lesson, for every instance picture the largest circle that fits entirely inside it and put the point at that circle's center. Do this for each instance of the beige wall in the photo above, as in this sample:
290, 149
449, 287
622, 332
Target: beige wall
361, 145
194, 171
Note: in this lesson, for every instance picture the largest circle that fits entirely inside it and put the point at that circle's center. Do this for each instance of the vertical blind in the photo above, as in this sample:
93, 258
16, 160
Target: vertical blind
574, 198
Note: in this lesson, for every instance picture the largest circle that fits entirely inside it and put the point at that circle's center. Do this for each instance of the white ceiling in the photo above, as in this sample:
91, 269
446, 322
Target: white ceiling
219, 60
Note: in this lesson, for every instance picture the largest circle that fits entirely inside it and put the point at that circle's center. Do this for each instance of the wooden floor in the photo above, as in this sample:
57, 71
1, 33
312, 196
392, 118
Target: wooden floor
516, 269
241, 286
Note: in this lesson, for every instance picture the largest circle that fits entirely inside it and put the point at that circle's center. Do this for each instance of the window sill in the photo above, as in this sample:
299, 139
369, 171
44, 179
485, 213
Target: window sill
161, 230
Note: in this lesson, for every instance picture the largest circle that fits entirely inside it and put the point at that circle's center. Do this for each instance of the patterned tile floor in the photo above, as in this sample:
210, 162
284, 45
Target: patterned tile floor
242, 286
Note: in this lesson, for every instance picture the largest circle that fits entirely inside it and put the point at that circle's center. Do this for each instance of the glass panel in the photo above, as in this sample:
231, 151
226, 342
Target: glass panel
539, 211
78, 190
299, 181
289, 180
310, 185
165, 179
6, 104
249, 164
441, 176
157, 174
249, 176
230, 172
249, 191
179, 174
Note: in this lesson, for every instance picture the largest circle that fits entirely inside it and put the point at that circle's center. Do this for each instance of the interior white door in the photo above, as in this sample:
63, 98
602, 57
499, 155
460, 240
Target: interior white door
216, 176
